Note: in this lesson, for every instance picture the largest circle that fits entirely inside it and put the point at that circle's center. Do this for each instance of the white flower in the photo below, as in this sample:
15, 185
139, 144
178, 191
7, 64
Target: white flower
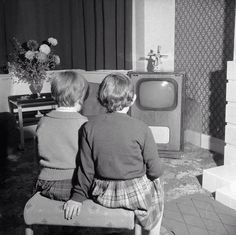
52, 41
29, 55
42, 57
45, 49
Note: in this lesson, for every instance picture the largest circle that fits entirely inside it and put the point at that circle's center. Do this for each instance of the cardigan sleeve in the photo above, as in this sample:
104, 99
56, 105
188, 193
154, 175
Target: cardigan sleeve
85, 171
154, 167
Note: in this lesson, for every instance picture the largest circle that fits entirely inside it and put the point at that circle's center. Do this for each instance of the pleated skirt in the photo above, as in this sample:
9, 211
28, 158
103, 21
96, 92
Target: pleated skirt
141, 195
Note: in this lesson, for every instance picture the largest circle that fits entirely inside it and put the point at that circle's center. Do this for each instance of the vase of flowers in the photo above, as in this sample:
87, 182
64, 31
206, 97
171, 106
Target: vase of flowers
30, 61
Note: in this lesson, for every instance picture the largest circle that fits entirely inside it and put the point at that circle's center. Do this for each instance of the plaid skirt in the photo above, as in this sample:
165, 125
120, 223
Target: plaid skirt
59, 190
141, 195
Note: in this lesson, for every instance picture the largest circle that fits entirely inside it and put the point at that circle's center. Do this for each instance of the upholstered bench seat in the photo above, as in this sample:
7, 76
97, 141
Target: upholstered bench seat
43, 211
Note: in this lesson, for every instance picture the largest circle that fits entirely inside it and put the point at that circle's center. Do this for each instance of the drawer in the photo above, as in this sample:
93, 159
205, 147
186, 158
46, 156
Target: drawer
231, 70
230, 134
230, 154
230, 113
231, 91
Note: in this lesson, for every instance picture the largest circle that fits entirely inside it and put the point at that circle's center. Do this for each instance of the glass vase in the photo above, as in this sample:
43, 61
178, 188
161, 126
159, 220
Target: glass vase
36, 87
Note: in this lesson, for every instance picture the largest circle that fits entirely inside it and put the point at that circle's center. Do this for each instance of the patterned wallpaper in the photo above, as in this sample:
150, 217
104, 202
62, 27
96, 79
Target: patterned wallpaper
204, 36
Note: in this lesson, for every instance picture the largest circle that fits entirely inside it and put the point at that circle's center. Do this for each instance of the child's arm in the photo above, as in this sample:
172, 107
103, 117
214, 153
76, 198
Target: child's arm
85, 176
151, 157
71, 209
85, 171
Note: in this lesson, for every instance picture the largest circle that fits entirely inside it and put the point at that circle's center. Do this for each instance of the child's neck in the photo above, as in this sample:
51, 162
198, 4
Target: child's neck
67, 109
75, 108
124, 110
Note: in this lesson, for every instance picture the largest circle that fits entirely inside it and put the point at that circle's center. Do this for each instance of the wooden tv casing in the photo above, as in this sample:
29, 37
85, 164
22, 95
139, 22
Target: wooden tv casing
172, 119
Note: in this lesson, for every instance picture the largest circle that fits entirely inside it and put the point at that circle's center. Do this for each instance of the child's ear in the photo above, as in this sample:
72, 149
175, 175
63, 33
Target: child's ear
134, 98
78, 105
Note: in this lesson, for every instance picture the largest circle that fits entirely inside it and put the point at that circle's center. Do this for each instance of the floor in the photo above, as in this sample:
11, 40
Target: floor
189, 209
199, 214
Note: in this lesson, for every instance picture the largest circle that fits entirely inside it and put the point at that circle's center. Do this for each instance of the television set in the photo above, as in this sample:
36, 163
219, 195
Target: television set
160, 103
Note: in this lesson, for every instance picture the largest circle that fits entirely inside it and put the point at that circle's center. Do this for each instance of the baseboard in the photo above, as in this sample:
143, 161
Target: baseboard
212, 143
192, 137
204, 141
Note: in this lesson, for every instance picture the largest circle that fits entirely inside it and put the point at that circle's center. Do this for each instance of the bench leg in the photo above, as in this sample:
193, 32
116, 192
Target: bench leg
29, 230
137, 229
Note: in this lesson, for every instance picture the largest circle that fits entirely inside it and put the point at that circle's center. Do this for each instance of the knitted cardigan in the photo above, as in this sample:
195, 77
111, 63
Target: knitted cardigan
58, 144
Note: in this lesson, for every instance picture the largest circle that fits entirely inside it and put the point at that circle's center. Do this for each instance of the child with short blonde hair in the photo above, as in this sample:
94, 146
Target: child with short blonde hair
58, 136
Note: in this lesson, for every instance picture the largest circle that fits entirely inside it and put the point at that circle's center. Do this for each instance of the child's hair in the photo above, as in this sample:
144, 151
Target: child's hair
68, 87
116, 92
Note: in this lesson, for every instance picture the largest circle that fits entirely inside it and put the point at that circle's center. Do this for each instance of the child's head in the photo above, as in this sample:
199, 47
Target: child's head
69, 88
116, 92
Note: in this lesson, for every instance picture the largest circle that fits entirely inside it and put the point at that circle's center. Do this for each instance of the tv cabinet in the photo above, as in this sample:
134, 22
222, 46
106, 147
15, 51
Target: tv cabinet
165, 119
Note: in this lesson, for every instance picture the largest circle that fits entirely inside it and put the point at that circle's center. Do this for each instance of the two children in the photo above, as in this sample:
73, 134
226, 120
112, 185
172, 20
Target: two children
119, 164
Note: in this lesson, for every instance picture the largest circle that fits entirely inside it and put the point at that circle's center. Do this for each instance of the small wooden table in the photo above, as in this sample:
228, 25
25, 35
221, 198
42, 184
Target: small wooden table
28, 109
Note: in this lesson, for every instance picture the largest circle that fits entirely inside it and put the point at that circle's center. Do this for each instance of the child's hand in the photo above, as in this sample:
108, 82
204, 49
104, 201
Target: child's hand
71, 209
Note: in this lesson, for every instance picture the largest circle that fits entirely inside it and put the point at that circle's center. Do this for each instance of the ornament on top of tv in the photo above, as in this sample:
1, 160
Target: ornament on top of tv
154, 59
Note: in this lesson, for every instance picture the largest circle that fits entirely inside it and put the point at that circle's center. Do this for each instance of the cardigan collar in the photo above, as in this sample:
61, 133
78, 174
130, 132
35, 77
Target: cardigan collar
65, 115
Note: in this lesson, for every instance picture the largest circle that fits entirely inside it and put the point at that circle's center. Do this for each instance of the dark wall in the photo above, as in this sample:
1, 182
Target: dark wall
204, 37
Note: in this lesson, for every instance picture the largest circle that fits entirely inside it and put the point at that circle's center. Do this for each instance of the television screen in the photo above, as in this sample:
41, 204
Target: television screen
157, 94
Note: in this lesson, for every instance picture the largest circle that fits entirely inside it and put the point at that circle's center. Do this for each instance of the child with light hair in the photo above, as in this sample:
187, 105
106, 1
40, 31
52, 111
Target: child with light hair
58, 136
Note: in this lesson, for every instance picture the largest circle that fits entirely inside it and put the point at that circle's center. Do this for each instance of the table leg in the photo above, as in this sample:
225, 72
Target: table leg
20, 115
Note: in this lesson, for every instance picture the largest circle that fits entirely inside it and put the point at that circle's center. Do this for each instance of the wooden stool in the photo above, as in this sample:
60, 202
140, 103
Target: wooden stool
40, 210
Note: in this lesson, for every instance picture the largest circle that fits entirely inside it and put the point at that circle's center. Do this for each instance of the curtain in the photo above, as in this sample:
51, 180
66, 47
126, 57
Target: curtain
91, 34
